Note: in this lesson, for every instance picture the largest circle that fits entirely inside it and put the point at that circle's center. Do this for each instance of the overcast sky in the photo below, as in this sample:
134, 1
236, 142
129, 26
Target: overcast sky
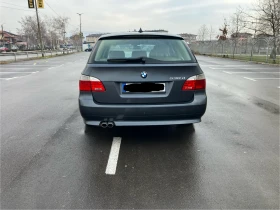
176, 16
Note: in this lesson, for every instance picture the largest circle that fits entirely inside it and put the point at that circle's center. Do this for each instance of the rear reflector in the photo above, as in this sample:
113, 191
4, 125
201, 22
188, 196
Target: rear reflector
93, 84
197, 82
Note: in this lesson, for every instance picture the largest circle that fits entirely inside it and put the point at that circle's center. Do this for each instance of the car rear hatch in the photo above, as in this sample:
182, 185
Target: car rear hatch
142, 69
124, 83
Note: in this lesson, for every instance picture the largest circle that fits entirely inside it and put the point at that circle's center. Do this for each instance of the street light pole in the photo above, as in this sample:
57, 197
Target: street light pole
39, 29
80, 14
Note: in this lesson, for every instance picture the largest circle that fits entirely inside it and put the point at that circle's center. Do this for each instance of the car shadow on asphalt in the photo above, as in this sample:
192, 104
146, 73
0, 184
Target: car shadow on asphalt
150, 132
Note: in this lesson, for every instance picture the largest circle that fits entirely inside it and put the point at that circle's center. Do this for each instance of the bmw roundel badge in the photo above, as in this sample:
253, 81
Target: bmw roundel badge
144, 74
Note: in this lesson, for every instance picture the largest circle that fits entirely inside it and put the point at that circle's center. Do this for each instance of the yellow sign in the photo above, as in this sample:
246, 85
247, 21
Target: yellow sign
40, 4
31, 4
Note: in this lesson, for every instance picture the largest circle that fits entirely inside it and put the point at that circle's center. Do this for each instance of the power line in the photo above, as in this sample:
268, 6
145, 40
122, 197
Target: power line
13, 4
57, 13
52, 9
18, 9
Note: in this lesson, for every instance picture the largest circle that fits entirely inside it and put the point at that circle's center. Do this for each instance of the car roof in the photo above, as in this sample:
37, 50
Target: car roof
140, 35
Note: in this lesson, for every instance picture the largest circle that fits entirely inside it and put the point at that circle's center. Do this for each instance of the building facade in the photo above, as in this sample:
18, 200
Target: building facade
189, 38
92, 38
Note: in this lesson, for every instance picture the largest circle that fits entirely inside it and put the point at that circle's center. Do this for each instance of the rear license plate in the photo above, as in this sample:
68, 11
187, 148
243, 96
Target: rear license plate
143, 87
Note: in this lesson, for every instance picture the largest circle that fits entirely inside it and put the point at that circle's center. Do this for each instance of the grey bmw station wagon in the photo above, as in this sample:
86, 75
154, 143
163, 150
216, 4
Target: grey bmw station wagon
142, 79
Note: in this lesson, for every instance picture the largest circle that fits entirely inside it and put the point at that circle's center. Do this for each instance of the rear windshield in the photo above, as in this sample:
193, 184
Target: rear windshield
153, 49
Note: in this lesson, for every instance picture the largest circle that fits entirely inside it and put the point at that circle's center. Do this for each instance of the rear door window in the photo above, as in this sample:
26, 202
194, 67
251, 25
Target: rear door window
158, 50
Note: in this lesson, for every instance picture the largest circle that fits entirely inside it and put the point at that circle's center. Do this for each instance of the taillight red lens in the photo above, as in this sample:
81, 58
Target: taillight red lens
200, 84
97, 86
85, 85
93, 84
197, 82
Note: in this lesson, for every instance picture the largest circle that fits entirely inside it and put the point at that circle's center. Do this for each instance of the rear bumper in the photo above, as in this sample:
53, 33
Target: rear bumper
142, 115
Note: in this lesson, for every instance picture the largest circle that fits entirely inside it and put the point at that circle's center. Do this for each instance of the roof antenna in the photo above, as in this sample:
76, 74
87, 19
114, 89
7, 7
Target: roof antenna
140, 30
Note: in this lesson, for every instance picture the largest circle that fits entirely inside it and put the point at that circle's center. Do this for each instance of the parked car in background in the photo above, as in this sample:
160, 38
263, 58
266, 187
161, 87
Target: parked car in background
14, 48
88, 50
3, 49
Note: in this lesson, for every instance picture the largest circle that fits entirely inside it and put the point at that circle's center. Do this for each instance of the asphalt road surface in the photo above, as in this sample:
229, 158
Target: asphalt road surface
49, 160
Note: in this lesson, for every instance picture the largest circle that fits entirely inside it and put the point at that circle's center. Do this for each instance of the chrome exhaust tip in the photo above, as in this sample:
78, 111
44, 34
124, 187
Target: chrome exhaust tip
110, 125
104, 124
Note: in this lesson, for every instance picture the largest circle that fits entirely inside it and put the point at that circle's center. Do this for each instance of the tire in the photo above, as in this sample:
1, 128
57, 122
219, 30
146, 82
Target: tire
186, 126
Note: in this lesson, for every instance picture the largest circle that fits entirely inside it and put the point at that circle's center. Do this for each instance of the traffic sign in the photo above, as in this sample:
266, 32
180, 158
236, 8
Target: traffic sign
31, 4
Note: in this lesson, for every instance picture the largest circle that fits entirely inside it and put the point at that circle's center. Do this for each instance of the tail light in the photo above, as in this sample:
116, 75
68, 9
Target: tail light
93, 84
197, 82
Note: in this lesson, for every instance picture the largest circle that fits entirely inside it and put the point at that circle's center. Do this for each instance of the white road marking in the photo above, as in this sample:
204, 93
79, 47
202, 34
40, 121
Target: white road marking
24, 66
13, 72
279, 87
234, 65
243, 72
250, 79
11, 78
34, 64
228, 68
265, 78
113, 157
208, 65
19, 76
56, 66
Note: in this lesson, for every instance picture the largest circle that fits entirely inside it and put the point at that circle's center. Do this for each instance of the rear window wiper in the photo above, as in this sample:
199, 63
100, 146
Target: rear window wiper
120, 60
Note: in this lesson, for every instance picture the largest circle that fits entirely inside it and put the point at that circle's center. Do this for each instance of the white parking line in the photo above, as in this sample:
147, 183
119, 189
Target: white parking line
242, 72
229, 68
255, 79
250, 79
56, 66
13, 72
23, 66
265, 78
11, 78
234, 65
113, 157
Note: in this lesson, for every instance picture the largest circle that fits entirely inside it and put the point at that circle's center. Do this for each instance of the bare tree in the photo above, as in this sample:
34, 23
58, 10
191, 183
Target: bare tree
267, 17
203, 32
237, 25
29, 30
52, 29
224, 31
75, 38
269, 13
210, 32
61, 25
223, 37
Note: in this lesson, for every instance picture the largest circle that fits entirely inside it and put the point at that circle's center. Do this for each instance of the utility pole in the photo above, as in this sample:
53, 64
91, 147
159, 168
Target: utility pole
2, 34
39, 29
81, 36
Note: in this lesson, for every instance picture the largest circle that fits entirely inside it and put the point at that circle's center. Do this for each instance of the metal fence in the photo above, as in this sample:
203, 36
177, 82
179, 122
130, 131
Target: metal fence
15, 56
258, 49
